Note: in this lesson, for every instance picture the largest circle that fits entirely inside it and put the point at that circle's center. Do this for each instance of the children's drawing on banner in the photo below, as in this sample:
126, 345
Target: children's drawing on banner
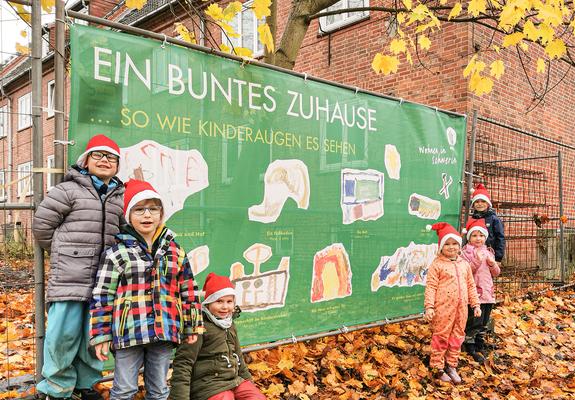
199, 259
451, 136
423, 207
392, 161
406, 267
446, 180
283, 179
177, 174
260, 290
361, 195
331, 274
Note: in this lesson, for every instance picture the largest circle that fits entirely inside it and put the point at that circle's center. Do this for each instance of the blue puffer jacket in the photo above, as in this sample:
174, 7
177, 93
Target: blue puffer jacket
496, 238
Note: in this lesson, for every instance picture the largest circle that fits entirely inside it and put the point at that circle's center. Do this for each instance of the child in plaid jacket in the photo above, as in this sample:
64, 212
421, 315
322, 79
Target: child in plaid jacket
145, 299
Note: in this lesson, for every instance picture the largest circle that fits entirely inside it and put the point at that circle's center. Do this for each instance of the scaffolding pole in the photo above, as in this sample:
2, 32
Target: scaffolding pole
59, 89
38, 181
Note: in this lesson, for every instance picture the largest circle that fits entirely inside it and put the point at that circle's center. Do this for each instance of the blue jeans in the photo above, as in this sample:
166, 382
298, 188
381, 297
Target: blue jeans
155, 357
67, 362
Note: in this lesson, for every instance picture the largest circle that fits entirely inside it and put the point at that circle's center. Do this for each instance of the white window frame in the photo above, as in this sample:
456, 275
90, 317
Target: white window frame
4, 121
50, 163
3, 196
51, 90
346, 18
83, 10
256, 47
45, 44
25, 111
25, 170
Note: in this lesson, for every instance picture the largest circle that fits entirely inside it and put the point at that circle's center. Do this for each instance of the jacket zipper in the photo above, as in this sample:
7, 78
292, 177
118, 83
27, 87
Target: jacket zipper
179, 308
125, 311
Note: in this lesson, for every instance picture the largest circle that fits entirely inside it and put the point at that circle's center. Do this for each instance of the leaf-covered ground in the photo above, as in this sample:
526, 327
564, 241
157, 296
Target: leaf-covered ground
533, 357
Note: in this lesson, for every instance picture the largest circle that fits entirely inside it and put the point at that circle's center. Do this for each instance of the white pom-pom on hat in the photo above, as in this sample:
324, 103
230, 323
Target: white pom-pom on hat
464, 231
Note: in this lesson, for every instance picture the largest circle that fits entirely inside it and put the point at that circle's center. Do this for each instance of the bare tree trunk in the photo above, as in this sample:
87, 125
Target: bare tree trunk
295, 30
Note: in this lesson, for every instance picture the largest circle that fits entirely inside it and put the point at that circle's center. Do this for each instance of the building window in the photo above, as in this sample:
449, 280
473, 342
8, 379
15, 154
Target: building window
25, 179
246, 25
45, 44
50, 163
51, 92
3, 121
83, 10
2, 186
25, 111
336, 21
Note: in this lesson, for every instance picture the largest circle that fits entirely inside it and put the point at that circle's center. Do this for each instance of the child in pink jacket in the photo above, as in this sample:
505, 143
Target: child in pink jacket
484, 268
449, 290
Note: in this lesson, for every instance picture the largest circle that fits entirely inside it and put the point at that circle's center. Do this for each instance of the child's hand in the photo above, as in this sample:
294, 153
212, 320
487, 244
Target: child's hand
102, 350
429, 313
192, 339
491, 260
477, 312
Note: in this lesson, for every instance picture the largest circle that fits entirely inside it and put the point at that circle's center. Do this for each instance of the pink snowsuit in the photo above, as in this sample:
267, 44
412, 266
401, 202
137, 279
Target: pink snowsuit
449, 290
484, 269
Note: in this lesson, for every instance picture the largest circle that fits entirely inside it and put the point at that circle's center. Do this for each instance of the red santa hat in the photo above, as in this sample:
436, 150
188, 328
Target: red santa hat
444, 232
480, 193
217, 286
98, 143
137, 191
476, 225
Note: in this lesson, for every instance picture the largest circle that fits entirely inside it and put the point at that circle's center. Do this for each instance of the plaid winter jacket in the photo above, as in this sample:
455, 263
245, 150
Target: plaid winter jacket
142, 298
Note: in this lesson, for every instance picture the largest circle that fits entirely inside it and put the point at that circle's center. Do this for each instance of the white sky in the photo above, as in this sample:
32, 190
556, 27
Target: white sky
10, 27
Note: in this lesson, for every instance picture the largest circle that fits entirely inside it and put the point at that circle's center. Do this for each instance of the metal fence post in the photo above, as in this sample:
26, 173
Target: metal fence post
470, 167
561, 224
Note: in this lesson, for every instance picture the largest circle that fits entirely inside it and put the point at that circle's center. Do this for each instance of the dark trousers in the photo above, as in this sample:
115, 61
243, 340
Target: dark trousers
476, 328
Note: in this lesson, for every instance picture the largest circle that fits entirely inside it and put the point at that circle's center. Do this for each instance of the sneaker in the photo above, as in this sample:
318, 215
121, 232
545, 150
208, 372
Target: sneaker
477, 357
452, 373
87, 394
445, 378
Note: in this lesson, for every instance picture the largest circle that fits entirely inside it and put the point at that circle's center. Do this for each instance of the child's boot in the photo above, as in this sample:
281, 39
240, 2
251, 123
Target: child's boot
453, 375
441, 375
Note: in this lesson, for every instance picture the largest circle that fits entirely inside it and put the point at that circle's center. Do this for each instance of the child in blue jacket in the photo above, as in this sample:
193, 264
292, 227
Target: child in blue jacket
482, 208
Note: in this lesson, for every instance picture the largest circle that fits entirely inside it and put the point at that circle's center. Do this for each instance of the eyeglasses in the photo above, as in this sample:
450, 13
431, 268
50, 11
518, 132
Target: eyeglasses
98, 155
154, 210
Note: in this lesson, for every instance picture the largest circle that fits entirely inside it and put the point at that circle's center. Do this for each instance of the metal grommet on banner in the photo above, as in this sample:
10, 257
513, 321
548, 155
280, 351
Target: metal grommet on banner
163, 45
344, 329
65, 142
293, 339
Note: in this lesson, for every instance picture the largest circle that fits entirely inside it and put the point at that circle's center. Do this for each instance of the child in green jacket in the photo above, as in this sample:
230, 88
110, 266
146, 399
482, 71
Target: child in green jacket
213, 368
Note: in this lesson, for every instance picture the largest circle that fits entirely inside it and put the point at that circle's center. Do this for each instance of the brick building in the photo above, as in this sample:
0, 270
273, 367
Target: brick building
341, 48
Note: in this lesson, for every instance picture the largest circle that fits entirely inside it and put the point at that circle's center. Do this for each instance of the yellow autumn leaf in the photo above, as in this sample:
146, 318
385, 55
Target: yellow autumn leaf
397, 46
231, 10
285, 363
540, 66
243, 52
23, 33
47, 5
407, 3
215, 12
184, 33
275, 389
418, 14
424, 43
443, 2
23, 13
470, 66
261, 8
513, 39
496, 48
480, 84
266, 38
497, 69
550, 14
137, 4
556, 49
408, 57
225, 48
546, 33
385, 64
524, 46
25, 50
476, 7
530, 31
401, 18
455, 11
228, 29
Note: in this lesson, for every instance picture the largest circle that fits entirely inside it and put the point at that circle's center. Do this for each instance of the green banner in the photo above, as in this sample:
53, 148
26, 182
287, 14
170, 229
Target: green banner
314, 199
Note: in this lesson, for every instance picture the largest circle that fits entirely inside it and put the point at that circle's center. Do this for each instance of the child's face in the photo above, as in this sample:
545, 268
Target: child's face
477, 239
480, 205
146, 216
450, 249
223, 307
105, 168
